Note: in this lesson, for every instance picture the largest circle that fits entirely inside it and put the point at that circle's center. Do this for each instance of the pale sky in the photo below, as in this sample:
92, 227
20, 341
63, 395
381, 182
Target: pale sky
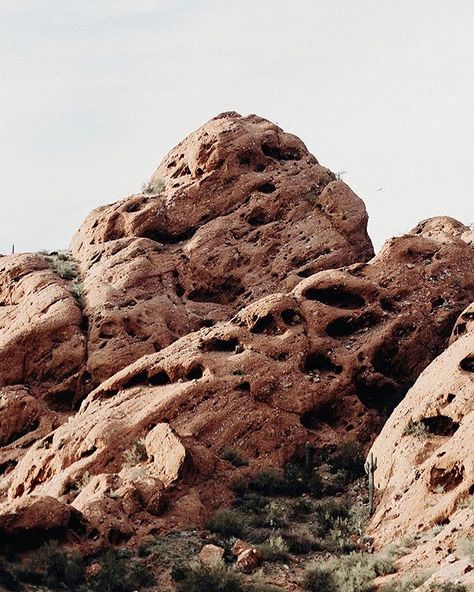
95, 92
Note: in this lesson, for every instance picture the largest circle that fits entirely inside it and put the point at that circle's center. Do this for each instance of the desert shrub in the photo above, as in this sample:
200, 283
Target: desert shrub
320, 579
274, 549
136, 453
215, 578
416, 428
406, 584
466, 547
8, 578
65, 269
348, 460
157, 187
57, 568
447, 587
176, 547
301, 542
234, 457
250, 502
273, 514
327, 511
301, 510
77, 290
228, 523
119, 574
269, 483
351, 573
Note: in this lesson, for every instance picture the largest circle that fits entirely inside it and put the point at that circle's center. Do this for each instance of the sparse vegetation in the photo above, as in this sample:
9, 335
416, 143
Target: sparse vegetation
416, 428
119, 573
54, 567
352, 573
466, 547
447, 587
234, 457
200, 578
155, 187
407, 583
228, 523
274, 548
136, 453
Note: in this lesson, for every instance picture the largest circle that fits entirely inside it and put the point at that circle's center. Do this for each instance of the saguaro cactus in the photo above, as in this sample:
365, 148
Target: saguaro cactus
370, 467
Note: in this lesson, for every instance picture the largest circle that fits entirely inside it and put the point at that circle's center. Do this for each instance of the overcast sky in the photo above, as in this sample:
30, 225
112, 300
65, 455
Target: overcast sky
95, 92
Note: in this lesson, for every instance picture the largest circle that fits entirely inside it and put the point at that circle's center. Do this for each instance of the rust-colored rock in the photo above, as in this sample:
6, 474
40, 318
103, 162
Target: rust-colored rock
425, 475
211, 554
245, 211
323, 363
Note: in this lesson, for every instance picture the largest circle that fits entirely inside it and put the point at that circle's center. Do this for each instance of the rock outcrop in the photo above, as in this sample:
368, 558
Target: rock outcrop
238, 210
425, 475
233, 303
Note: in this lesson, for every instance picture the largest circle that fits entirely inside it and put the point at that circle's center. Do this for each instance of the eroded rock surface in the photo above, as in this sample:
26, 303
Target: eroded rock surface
425, 475
243, 210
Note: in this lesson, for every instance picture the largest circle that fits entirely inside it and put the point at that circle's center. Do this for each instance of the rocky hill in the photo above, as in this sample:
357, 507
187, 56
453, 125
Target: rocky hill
234, 305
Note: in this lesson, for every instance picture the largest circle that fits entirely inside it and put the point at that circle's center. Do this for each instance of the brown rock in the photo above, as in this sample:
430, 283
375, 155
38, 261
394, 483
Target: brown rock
249, 560
41, 343
166, 452
425, 463
245, 211
211, 554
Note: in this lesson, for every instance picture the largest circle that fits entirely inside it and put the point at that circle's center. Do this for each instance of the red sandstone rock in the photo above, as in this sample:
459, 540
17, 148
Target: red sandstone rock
245, 211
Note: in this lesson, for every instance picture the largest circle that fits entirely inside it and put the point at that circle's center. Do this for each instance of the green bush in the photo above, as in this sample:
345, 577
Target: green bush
447, 587
67, 270
201, 578
416, 428
234, 457
120, 574
228, 523
270, 483
466, 547
351, 573
349, 459
57, 568
274, 549
406, 584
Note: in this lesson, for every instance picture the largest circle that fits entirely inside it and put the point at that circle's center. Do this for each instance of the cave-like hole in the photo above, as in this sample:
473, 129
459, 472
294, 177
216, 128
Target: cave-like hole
7, 466
117, 537
335, 296
161, 236
160, 378
265, 324
230, 344
443, 480
26, 429
224, 293
290, 317
195, 372
388, 305
313, 418
460, 329
437, 302
375, 392
467, 363
179, 290
319, 362
62, 401
244, 386
141, 378
440, 425
257, 217
266, 188
384, 357
450, 398
344, 326
280, 153
244, 160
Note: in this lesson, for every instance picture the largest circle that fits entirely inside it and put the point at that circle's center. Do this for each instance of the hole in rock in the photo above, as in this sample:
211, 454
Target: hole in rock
378, 393
446, 479
224, 293
467, 363
318, 362
266, 188
7, 466
280, 153
89, 452
266, 325
335, 296
388, 305
62, 401
313, 418
283, 356
304, 273
344, 326
26, 429
195, 372
160, 378
179, 290
222, 345
161, 236
244, 386
471, 490
440, 425
383, 358
244, 160
290, 317
259, 168
134, 207
450, 398
438, 302
460, 329
139, 379
257, 217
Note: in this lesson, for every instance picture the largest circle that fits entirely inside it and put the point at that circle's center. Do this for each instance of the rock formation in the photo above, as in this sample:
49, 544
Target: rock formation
234, 302
425, 474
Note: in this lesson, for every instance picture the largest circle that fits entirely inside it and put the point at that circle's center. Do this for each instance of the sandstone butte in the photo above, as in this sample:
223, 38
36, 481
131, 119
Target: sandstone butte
237, 300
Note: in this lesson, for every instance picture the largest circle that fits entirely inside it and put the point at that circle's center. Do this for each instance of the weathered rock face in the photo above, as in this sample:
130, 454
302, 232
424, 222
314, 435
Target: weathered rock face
42, 346
323, 363
243, 210
425, 475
